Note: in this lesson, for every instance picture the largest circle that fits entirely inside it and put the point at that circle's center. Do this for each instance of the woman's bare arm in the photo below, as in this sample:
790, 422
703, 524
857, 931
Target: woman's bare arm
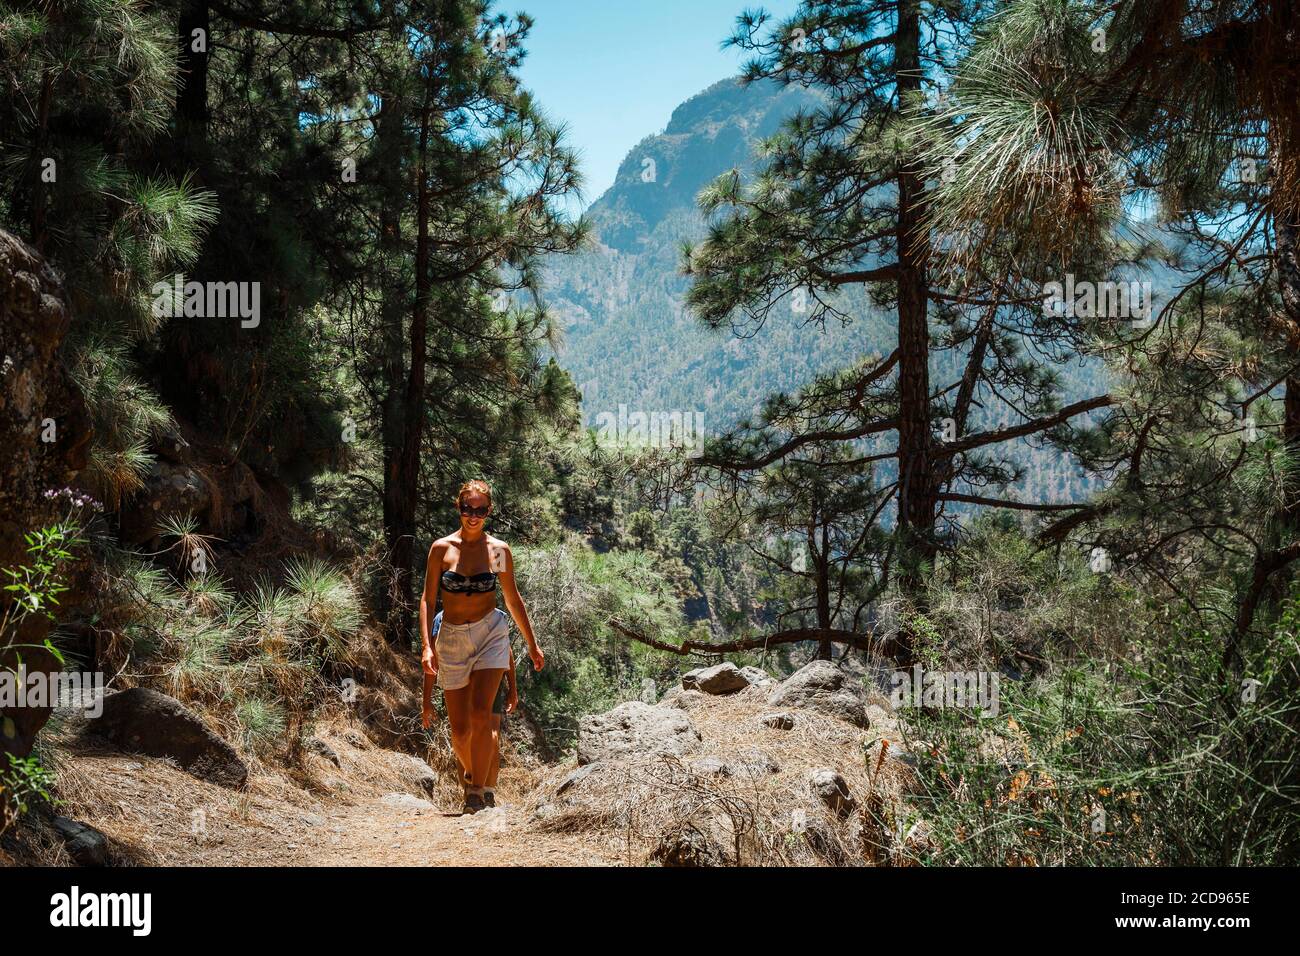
428, 601
515, 605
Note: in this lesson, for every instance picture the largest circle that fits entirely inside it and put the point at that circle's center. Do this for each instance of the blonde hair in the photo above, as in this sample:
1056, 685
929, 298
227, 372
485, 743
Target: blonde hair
476, 484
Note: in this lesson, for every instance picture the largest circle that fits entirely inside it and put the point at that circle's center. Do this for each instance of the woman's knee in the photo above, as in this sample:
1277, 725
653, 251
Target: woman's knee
480, 722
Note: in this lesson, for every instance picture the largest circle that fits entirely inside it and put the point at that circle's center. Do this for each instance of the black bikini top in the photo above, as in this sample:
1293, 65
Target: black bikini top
474, 584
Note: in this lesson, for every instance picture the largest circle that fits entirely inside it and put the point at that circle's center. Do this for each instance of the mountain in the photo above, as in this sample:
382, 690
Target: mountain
627, 338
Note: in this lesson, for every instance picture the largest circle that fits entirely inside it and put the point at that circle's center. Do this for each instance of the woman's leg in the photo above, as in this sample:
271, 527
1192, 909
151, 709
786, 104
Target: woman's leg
458, 715
482, 691
495, 766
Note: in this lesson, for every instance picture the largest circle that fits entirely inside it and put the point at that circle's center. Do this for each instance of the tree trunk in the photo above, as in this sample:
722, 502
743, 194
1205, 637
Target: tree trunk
393, 605
404, 415
192, 96
916, 488
822, 558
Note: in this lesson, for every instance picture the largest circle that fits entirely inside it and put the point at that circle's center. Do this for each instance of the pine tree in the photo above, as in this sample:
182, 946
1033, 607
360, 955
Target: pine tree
841, 207
1067, 117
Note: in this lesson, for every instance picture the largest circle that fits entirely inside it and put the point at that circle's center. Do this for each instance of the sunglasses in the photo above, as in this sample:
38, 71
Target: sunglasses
481, 512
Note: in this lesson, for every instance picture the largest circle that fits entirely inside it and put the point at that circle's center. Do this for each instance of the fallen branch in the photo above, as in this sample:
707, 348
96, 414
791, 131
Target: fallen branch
862, 642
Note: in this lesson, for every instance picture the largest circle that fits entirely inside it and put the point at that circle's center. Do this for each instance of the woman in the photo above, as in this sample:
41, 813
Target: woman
468, 646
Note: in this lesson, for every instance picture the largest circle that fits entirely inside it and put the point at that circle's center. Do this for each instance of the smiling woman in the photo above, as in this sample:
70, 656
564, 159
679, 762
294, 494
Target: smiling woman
467, 646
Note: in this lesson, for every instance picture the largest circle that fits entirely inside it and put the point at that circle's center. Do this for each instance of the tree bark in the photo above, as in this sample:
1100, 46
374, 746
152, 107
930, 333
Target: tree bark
393, 605
916, 485
192, 96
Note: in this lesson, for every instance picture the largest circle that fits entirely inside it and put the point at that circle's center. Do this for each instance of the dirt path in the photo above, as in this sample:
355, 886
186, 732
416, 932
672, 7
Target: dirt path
387, 832
364, 814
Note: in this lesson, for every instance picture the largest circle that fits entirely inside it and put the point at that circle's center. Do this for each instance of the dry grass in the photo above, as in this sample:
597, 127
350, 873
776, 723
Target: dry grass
155, 814
761, 811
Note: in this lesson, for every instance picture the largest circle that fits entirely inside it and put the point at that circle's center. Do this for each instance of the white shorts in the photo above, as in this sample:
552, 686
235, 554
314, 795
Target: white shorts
476, 646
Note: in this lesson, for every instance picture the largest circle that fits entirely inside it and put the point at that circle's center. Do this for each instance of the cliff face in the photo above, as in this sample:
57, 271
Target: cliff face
713, 131
45, 434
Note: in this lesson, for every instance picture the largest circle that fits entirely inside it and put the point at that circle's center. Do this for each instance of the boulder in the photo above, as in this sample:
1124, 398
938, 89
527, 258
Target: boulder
683, 699
823, 687
423, 775
832, 791
724, 678
756, 676
688, 845
144, 721
86, 845
634, 728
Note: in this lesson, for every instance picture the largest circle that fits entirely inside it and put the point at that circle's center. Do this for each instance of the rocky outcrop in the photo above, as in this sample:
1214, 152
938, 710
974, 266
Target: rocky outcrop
823, 687
724, 678
144, 721
191, 477
635, 728
45, 434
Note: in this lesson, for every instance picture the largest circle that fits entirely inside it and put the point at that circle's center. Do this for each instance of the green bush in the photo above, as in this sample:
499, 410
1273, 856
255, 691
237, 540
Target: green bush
1161, 758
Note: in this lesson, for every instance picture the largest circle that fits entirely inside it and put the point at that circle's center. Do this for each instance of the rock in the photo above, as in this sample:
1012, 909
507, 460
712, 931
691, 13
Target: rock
355, 738
404, 801
822, 687
683, 699
86, 845
322, 749
424, 776
649, 692
779, 721
756, 676
169, 489
144, 721
687, 845
635, 728
757, 762
576, 777
711, 767
833, 792
724, 678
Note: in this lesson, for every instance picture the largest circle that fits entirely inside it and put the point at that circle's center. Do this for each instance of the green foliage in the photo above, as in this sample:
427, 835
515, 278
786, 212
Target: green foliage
1160, 759
256, 660
22, 781
35, 587
571, 594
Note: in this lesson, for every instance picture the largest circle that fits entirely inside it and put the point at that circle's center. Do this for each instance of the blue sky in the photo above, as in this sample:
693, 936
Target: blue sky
614, 70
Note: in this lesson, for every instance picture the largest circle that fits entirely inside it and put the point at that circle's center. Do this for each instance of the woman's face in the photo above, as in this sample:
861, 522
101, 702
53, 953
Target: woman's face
474, 509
